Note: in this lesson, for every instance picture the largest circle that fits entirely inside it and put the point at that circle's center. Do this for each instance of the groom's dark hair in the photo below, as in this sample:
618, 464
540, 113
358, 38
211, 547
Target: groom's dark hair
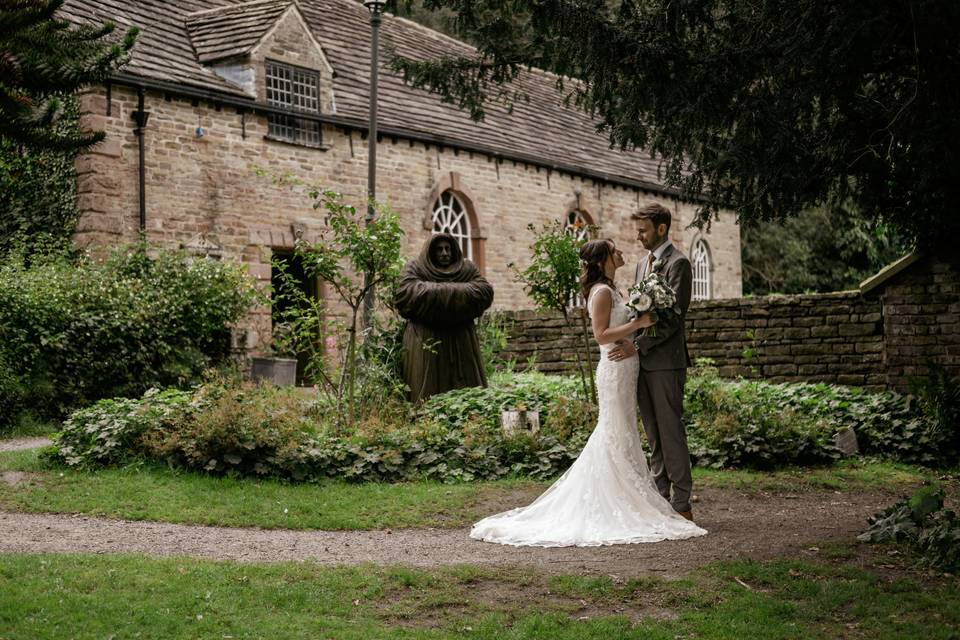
655, 213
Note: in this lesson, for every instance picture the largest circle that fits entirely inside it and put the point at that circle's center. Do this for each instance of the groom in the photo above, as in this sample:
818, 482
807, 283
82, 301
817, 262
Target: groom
663, 363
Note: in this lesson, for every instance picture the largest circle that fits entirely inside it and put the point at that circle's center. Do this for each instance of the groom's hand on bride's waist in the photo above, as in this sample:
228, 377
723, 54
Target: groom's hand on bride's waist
622, 350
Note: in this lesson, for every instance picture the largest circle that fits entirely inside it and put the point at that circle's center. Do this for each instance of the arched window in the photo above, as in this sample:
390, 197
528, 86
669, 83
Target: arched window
700, 261
578, 224
450, 216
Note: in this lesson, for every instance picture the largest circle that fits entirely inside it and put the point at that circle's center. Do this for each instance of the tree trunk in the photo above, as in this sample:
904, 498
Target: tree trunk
580, 368
352, 365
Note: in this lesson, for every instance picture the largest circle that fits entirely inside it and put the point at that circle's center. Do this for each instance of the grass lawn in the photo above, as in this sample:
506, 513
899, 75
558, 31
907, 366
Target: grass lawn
844, 596
153, 492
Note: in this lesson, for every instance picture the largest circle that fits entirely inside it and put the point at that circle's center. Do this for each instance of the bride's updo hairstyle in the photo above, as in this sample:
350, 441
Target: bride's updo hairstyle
593, 255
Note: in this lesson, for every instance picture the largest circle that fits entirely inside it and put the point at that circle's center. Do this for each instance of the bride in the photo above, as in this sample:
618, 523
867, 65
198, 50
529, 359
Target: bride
607, 496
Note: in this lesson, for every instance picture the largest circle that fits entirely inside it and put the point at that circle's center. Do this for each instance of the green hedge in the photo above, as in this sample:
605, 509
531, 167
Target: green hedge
74, 331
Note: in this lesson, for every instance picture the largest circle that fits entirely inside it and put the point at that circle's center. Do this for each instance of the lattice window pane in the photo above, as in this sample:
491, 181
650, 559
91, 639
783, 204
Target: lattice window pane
577, 225
299, 90
701, 271
450, 216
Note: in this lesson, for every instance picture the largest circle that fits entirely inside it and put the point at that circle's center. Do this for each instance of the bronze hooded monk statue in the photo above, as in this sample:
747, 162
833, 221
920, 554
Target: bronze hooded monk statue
441, 294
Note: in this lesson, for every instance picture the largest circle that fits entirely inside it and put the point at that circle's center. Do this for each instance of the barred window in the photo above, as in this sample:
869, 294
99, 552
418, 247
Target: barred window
701, 271
297, 89
450, 216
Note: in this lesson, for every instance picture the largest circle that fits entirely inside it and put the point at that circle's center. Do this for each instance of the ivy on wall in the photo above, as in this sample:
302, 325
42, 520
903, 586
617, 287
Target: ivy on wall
38, 190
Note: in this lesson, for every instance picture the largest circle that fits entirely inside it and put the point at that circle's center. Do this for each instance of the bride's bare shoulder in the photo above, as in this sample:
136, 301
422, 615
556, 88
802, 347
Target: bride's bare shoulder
600, 294
601, 291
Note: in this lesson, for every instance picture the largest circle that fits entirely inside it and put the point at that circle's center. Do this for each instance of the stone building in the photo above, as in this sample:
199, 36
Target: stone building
219, 93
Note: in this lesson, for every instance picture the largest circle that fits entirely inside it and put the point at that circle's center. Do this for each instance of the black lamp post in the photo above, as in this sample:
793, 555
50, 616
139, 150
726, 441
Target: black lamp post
376, 11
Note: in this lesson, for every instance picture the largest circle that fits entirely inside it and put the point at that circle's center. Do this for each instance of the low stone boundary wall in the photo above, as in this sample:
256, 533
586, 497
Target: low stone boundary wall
835, 337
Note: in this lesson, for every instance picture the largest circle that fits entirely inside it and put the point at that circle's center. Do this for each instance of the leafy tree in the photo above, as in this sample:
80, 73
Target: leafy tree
818, 250
552, 280
43, 57
346, 249
769, 107
440, 20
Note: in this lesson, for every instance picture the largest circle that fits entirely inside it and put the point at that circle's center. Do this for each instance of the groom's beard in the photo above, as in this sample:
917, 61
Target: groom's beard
656, 243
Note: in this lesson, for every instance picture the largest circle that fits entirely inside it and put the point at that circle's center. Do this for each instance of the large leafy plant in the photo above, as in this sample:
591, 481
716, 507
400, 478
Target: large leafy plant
921, 522
552, 280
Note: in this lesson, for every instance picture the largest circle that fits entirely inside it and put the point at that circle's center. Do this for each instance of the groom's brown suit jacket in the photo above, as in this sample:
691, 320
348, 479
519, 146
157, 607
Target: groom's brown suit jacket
668, 349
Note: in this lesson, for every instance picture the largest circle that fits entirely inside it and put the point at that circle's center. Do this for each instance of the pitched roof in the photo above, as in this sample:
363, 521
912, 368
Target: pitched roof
540, 128
888, 272
226, 32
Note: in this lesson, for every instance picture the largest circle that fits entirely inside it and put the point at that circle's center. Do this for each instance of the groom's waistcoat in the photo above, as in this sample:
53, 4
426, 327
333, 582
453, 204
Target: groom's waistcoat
668, 349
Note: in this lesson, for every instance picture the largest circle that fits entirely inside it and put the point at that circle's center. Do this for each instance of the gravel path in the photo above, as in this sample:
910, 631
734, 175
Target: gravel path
17, 444
741, 524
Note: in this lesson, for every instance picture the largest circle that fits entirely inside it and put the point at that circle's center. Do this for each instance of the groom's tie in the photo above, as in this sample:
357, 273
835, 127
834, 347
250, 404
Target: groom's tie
649, 268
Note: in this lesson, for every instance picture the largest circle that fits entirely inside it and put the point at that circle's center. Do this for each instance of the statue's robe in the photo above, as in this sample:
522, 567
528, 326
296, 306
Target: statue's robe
441, 350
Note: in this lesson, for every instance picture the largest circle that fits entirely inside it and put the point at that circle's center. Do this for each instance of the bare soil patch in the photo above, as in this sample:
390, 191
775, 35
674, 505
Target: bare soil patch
15, 478
16, 444
513, 595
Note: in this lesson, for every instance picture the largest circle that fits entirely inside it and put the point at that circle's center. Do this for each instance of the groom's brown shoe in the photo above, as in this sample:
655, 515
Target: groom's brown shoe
687, 514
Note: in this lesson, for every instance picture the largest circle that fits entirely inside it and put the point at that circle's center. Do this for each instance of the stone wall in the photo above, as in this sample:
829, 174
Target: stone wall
905, 319
921, 320
834, 338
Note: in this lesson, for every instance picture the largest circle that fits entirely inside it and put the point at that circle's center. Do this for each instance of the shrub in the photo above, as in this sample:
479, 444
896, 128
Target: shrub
760, 424
382, 390
531, 391
74, 331
939, 397
263, 430
746, 424
110, 431
38, 188
921, 522
493, 330
247, 430
12, 392
224, 427
354, 257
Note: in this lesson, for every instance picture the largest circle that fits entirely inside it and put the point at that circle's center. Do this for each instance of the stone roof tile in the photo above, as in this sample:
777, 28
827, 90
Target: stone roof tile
227, 32
178, 35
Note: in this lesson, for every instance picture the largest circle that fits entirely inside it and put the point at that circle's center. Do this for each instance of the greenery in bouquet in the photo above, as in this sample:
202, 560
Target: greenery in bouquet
655, 295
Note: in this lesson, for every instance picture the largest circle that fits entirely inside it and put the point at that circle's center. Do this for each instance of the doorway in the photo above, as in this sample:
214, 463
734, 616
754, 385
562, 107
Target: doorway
307, 291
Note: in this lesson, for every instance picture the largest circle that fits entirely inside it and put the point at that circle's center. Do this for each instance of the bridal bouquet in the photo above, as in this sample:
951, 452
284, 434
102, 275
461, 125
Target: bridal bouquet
652, 294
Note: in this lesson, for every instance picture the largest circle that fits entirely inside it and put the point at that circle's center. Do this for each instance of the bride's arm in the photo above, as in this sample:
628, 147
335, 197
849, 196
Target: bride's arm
600, 320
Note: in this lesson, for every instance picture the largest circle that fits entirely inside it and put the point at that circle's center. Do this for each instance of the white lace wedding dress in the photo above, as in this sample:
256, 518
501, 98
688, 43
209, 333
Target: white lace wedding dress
606, 496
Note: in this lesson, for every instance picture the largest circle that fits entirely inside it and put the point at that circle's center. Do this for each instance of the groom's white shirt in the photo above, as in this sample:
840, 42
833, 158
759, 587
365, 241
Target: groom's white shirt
657, 254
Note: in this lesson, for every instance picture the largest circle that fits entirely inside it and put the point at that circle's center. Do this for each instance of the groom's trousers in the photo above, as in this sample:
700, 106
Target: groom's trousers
660, 399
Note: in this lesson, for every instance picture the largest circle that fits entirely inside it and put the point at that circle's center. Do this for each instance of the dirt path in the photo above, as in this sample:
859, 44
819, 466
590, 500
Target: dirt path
741, 524
17, 444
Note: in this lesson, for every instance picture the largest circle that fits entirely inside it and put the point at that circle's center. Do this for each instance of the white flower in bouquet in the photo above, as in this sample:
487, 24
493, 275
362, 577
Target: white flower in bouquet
652, 294
639, 302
